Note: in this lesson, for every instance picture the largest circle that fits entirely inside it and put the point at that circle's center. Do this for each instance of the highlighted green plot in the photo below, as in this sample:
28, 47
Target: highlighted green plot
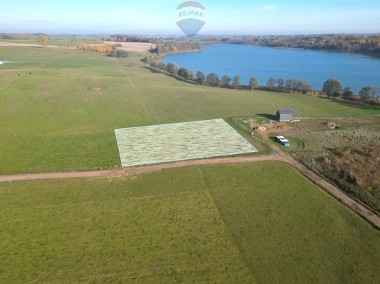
179, 142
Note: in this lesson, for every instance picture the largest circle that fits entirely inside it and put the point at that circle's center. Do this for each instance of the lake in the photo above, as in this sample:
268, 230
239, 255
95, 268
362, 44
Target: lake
352, 69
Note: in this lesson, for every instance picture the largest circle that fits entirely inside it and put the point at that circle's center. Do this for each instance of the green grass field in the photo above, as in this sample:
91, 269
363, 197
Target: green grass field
59, 107
261, 222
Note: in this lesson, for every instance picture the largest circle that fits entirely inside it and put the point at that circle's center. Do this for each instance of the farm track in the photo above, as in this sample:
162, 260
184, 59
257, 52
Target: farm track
135, 170
356, 206
333, 190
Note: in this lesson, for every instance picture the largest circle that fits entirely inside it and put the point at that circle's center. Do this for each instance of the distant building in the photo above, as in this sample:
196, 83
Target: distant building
285, 115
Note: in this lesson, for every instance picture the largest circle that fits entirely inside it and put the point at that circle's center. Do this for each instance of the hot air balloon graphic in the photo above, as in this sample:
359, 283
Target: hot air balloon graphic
190, 17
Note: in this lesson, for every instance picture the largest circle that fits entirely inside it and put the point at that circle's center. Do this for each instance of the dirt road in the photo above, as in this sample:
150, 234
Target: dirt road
278, 156
12, 44
136, 170
333, 190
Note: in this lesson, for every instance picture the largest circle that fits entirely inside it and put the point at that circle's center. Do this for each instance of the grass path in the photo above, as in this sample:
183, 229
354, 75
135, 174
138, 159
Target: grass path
136, 91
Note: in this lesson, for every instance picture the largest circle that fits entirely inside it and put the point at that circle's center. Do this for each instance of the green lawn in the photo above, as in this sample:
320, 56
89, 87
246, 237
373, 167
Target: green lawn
59, 107
259, 222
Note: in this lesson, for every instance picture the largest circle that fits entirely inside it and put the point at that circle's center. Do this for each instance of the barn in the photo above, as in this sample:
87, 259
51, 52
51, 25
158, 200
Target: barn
285, 115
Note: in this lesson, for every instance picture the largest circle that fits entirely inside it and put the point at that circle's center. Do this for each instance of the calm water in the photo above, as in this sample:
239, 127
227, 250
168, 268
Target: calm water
354, 70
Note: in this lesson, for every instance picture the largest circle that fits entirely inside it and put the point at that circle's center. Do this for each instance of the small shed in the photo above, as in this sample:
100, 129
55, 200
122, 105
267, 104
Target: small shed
285, 115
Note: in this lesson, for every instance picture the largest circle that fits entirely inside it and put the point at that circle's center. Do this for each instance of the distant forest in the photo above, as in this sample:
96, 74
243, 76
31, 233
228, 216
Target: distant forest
369, 44
353, 43
163, 44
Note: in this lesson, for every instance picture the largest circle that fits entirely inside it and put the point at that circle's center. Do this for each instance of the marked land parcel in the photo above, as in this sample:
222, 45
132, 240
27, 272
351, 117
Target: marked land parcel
179, 142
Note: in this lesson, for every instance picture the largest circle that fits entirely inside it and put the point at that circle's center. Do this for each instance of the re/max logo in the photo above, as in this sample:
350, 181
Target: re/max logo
191, 13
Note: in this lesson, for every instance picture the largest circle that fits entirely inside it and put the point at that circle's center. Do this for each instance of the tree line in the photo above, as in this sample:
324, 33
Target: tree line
213, 79
176, 46
332, 88
354, 43
163, 44
127, 38
112, 50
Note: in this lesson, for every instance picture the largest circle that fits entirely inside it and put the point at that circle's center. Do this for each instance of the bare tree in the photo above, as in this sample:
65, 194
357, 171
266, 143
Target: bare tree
271, 82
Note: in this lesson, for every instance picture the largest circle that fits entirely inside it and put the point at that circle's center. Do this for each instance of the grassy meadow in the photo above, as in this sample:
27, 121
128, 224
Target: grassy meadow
59, 107
260, 222
348, 156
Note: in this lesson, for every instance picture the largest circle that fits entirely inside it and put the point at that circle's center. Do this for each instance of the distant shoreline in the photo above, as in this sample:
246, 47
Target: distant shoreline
161, 57
245, 52
317, 49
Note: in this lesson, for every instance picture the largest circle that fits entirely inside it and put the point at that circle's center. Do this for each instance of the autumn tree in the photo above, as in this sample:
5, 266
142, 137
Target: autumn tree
172, 68
366, 93
43, 40
332, 88
147, 59
304, 86
200, 77
102, 48
271, 82
253, 83
118, 53
347, 93
154, 64
162, 66
236, 82
291, 84
280, 83
213, 79
225, 81
185, 74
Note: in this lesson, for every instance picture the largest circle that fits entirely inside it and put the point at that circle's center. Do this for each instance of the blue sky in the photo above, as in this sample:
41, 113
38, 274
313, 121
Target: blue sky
158, 17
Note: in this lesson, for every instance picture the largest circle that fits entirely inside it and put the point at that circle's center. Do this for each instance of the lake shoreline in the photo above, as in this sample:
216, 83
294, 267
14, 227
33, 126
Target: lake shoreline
377, 55
162, 56
316, 66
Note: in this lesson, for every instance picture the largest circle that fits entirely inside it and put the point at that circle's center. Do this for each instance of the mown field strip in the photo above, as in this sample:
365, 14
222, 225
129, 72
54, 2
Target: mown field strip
179, 142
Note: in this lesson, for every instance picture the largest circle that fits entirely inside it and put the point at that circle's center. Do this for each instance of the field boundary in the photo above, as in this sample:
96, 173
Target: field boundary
331, 189
344, 198
135, 170
172, 142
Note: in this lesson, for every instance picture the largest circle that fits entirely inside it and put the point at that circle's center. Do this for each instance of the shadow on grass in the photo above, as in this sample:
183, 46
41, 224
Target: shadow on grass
155, 71
353, 104
274, 140
266, 115
152, 70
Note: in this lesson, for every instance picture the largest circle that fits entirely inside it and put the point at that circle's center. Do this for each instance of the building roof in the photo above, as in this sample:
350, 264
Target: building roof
285, 111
